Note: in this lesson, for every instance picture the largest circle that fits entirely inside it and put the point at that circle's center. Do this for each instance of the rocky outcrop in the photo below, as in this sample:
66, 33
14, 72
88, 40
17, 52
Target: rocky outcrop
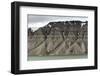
59, 38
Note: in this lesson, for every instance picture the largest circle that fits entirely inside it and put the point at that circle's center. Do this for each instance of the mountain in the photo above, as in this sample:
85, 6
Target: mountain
59, 38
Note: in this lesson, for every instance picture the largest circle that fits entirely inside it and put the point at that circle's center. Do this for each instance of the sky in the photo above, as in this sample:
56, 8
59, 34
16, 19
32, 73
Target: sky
37, 21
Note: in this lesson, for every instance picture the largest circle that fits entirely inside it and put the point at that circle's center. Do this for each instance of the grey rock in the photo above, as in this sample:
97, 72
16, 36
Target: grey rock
59, 38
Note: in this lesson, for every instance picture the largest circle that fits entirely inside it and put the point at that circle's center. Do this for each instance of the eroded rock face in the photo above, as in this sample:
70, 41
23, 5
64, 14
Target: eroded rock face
59, 38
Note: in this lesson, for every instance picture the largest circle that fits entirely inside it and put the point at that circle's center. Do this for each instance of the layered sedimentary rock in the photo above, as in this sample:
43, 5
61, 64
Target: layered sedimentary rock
59, 38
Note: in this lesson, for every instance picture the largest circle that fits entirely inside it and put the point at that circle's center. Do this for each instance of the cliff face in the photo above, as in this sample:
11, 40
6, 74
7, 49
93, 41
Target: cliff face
59, 38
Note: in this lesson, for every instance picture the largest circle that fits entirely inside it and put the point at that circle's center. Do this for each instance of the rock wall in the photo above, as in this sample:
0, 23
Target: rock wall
59, 38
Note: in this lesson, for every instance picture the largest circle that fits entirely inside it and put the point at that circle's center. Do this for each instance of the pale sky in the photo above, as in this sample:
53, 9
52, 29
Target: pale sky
37, 21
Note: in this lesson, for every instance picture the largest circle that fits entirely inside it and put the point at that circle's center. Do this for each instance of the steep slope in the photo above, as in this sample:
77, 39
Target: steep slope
59, 38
